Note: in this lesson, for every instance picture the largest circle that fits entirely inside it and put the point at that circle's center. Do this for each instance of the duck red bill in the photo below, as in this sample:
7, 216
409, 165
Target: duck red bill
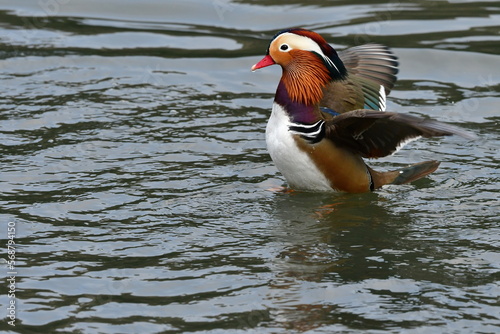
264, 62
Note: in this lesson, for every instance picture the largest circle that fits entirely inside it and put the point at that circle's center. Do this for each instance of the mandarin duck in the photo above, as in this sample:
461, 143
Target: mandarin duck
328, 114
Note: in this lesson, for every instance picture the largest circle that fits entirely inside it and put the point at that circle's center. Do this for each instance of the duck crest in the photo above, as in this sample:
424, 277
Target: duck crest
326, 48
326, 53
312, 63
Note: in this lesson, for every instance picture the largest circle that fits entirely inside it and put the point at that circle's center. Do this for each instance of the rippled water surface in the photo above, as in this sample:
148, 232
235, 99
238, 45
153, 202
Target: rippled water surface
134, 169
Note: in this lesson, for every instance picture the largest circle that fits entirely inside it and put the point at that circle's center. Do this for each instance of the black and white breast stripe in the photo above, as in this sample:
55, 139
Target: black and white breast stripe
313, 133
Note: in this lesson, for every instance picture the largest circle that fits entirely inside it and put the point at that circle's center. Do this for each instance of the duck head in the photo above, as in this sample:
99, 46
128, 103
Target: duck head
308, 63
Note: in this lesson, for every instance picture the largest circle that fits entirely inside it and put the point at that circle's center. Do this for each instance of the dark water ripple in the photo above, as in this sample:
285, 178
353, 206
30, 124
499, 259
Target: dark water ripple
135, 170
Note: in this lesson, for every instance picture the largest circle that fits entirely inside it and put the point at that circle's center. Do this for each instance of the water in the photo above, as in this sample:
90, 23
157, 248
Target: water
134, 169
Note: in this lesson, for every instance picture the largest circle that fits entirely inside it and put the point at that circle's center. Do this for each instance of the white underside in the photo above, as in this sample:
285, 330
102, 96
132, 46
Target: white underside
295, 165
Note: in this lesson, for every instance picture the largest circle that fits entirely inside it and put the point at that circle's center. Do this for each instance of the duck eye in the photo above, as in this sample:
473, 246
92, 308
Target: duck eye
284, 47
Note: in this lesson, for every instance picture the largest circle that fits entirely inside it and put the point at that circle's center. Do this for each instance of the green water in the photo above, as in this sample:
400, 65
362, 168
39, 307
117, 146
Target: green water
134, 169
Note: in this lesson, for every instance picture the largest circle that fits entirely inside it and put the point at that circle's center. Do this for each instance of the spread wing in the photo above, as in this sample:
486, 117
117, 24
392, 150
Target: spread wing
375, 134
373, 62
372, 68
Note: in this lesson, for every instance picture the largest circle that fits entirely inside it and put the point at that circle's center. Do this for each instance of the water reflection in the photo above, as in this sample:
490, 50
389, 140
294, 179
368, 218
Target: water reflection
345, 259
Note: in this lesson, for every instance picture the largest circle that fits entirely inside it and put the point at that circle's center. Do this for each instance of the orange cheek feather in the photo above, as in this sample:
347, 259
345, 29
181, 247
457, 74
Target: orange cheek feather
305, 75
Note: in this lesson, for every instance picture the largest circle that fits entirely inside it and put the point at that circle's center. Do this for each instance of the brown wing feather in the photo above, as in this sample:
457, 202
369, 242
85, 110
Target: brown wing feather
343, 96
368, 66
371, 61
375, 134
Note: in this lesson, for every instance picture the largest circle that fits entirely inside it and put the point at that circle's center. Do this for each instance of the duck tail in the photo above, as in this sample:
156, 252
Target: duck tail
403, 175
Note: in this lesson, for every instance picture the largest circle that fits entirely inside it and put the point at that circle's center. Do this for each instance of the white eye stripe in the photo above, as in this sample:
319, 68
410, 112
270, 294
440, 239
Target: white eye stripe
307, 44
301, 42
